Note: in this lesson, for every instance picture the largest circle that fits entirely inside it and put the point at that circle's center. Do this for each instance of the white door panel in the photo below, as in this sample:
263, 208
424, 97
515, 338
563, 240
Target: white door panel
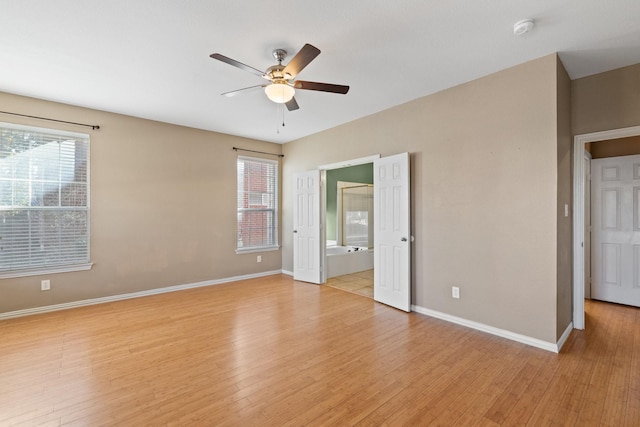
615, 245
392, 237
307, 244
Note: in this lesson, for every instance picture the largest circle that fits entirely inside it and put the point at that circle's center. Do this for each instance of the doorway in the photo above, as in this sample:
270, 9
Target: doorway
349, 228
580, 209
392, 229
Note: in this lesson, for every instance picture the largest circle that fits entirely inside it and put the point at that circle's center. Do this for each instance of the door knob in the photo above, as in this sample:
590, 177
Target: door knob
404, 239
295, 231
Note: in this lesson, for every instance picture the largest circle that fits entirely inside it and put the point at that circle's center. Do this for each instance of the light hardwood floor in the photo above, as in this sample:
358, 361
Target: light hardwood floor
274, 352
360, 283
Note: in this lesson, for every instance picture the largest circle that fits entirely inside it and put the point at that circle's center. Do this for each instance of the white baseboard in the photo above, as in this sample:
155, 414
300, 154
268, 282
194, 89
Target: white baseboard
534, 342
564, 337
157, 291
287, 272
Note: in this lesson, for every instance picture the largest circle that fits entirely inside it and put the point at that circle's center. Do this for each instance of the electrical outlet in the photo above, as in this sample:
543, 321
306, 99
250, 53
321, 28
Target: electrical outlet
455, 292
45, 285
259, 259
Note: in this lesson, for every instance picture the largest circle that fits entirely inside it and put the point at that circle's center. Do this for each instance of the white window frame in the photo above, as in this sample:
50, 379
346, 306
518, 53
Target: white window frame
61, 267
275, 227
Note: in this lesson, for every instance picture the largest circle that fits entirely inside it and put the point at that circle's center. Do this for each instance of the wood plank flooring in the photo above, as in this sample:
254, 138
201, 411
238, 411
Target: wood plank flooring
274, 352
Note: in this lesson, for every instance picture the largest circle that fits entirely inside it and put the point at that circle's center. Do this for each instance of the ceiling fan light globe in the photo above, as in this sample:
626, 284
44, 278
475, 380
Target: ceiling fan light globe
280, 93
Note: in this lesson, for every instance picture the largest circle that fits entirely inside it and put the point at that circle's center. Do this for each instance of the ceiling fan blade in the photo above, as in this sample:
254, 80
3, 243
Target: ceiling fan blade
301, 60
323, 87
292, 105
246, 89
240, 65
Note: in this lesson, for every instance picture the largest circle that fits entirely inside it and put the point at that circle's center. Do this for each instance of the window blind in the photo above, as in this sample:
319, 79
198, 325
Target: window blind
257, 203
44, 198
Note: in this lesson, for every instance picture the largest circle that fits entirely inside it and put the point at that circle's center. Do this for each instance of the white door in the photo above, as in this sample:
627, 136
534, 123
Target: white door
615, 216
392, 238
307, 244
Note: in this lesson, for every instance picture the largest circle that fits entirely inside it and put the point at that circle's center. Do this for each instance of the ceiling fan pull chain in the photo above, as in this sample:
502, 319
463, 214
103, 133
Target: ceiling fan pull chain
282, 109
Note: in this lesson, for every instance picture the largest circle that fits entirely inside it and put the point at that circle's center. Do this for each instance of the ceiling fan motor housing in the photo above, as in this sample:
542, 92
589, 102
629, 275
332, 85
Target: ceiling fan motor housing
275, 72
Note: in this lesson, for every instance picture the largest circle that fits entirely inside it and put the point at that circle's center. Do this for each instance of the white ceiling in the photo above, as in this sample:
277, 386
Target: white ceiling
150, 58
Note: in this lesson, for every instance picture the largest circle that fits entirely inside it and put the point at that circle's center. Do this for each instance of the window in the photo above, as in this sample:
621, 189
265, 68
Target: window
44, 201
257, 204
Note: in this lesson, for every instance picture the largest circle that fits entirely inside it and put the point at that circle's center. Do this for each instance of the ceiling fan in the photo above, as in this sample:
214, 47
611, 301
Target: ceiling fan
282, 84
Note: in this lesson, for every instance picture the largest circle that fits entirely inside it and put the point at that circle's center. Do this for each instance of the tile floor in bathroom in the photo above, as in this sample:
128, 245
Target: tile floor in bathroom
360, 283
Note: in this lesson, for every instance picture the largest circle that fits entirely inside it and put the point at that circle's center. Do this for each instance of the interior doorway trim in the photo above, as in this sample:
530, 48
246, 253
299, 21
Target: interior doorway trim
347, 163
579, 212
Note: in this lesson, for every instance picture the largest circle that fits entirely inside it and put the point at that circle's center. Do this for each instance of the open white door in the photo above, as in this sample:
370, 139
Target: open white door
307, 242
392, 237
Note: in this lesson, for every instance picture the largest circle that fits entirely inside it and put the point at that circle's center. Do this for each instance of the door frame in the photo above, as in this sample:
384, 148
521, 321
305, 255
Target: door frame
587, 225
579, 212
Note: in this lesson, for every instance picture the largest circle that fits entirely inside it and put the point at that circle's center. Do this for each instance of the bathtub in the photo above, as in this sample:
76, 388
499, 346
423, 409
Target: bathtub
343, 260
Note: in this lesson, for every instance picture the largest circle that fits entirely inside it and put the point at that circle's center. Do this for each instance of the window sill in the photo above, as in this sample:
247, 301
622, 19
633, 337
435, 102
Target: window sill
45, 270
257, 249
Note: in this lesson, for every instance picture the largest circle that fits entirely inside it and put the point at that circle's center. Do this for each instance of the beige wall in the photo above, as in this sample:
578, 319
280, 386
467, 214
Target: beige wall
565, 223
485, 184
163, 207
606, 101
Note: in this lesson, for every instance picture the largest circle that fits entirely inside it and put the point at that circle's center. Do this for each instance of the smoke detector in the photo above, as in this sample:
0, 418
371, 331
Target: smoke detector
523, 27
